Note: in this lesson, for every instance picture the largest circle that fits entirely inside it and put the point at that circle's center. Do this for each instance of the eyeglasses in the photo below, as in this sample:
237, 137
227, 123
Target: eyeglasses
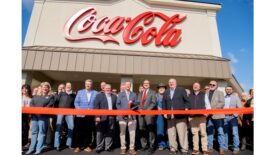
212, 85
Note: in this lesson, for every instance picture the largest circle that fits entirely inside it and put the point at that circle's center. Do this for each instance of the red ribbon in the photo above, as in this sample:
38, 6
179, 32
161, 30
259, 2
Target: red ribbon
67, 111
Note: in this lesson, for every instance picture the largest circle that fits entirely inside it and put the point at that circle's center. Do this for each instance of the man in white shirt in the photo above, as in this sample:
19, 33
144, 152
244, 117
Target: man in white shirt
231, 120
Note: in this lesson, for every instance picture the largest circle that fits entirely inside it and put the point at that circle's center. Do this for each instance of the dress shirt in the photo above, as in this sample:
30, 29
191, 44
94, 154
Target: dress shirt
109, 100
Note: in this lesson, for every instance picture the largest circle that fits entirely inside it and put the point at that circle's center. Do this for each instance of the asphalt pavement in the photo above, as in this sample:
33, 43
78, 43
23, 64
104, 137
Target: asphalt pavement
117, 150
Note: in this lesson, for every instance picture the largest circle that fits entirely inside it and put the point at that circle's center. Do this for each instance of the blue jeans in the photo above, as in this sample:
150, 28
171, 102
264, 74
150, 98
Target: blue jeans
161, 132
218, 125
231, 122
70, 123
39, 128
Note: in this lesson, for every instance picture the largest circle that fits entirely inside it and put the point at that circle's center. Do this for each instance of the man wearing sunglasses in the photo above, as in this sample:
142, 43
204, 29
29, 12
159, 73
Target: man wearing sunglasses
216, 121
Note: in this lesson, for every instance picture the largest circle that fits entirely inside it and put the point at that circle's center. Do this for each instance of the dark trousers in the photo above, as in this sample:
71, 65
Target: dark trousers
51, 130
25, 129
83, 131
247, 133
104, 134
147, 125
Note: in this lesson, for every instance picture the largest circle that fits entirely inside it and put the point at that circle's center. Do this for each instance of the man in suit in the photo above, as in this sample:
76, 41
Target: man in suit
84, 125
175, 98
216, 98
147, 101
105, 124
231, 120
126, 100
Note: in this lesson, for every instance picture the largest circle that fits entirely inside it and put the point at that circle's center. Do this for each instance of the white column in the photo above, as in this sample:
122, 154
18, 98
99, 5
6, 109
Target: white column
125, 79
216, 48
34, 22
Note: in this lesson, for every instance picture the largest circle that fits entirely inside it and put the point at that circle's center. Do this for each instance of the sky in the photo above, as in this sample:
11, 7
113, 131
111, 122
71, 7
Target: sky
235, 26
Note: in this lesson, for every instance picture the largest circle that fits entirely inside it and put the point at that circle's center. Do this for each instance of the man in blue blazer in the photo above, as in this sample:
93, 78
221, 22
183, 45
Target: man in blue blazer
84, 125
127, 100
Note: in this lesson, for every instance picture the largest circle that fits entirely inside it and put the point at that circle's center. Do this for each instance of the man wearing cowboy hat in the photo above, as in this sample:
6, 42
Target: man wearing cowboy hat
160, 122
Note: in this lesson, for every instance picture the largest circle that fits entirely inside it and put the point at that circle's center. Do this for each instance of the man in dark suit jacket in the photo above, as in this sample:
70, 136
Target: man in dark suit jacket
175, 98
147, 101
105, 124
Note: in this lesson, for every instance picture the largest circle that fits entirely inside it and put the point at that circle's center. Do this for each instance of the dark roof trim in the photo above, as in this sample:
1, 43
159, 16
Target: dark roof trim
214, 3
237, 82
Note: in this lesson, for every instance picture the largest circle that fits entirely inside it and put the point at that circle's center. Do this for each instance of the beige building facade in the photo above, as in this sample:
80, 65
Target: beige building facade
118, 40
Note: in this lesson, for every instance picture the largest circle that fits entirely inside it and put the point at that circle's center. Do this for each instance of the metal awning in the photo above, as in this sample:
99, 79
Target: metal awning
126, 62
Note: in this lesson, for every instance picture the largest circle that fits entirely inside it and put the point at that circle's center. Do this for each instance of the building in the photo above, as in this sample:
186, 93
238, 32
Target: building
118, 40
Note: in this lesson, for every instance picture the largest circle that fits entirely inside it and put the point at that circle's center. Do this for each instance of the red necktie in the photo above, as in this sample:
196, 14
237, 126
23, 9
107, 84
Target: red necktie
143, 97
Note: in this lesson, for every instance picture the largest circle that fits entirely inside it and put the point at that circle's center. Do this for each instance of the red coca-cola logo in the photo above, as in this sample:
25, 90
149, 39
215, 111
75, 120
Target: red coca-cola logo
139, 28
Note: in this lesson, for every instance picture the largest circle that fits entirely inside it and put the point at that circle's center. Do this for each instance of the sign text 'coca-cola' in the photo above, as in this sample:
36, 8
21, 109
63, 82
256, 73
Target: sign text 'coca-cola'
134, 29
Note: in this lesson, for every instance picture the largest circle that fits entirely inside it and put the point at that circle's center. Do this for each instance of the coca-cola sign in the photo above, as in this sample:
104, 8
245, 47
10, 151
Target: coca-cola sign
136, 29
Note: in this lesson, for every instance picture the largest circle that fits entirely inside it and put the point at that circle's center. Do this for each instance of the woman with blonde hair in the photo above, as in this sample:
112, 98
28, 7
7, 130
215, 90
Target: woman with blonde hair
40, 122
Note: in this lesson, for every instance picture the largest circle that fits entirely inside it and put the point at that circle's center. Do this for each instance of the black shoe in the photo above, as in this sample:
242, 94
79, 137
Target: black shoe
143, 149
151, 150
109, 150
98, 151
58, 149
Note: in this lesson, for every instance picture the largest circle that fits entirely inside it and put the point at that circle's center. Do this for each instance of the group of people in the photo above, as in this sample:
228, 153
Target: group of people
84, 131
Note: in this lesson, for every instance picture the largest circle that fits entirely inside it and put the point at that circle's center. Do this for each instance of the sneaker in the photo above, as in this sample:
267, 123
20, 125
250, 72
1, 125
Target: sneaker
161, 148
123, 151
205, 152
133, 151
37, 152
29, 152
